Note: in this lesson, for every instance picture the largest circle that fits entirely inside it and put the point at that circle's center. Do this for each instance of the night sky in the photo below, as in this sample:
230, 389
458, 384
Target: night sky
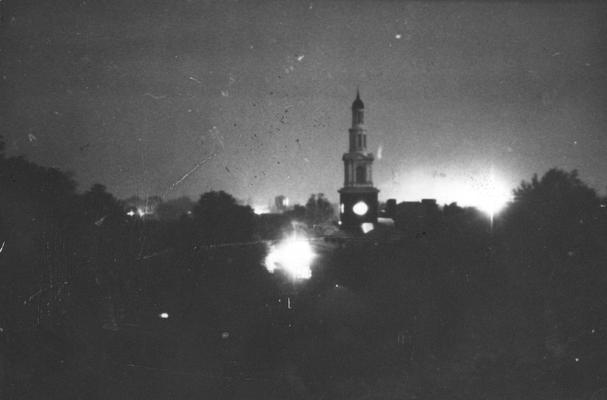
176, 98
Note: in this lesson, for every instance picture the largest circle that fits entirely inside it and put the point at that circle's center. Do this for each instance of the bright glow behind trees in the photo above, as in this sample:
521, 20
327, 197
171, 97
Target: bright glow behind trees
493, 195
487, 191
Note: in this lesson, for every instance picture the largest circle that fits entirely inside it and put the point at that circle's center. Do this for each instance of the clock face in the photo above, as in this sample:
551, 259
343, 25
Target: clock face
360, 208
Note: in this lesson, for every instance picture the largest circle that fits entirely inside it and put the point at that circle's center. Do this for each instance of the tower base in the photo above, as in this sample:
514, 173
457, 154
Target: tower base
358, 205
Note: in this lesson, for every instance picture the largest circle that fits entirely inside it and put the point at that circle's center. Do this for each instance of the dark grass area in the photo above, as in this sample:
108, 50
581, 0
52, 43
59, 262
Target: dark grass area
391, 328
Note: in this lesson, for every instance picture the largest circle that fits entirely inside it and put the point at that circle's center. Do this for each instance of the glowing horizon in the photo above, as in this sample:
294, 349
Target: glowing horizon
487, 191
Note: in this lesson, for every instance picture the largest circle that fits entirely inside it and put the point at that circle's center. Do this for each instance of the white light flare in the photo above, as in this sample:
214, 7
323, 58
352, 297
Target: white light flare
294, 256
493, 195
163, 315
261, 209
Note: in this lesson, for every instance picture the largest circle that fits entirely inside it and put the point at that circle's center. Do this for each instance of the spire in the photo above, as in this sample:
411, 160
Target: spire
358, 103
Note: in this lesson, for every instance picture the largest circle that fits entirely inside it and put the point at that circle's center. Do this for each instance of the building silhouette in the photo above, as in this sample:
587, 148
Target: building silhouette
417, 218
281, 203
358, 197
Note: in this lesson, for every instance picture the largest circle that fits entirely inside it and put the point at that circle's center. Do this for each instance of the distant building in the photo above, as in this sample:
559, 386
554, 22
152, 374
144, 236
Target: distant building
358, 197
389, 210
417, 217
281, 203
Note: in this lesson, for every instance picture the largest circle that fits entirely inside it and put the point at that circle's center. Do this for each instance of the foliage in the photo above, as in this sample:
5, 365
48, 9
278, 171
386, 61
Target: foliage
559, 198
554, 216
172, 210
97, 203
218, 218
553, 257
319, 209
298, 213
509, 308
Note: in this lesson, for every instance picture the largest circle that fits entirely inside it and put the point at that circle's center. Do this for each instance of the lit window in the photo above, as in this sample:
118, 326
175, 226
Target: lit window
366, 227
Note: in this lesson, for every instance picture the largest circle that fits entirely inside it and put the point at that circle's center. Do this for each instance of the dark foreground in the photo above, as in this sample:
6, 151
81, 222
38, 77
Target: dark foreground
378, 320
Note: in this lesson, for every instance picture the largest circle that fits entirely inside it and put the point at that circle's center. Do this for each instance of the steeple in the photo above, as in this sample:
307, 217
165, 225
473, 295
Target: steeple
358, 137
358, 103
358, 196
358, 111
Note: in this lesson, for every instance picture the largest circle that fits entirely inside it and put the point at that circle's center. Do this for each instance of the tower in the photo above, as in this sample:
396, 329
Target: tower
358, 197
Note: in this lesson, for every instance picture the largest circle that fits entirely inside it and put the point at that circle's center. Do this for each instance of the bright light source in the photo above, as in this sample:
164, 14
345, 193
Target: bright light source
261, 209
486, 190
131, 213
164, 315
141, 212
293, 255
360, 208
342, 208
367, 227
493, 195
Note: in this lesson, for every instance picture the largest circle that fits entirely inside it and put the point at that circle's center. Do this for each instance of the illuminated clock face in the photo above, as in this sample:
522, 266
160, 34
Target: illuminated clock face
360, 208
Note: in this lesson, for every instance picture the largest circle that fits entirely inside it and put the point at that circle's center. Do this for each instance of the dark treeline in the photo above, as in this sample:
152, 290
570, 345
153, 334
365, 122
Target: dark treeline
513, 310
95, 303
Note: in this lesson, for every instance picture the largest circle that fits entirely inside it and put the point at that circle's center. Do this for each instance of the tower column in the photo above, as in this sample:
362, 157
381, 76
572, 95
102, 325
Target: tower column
358, 197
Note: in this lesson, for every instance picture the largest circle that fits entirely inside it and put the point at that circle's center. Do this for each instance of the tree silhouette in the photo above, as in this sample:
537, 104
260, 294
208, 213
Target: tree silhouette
319, 209
554, 255
97, 203
556, 191
218, 218
557, 211
172, 210
36, 212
